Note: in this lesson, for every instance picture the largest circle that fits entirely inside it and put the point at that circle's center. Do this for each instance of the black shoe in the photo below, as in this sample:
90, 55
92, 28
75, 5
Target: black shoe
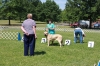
26, 55
31, 55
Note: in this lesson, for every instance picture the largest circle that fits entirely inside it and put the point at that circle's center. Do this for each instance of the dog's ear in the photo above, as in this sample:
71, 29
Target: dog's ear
45, 35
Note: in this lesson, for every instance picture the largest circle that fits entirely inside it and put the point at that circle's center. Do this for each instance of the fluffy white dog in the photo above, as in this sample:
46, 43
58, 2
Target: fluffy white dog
53, 37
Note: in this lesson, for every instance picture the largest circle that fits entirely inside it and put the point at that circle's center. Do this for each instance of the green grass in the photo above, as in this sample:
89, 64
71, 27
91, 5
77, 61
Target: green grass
18, 23
11, 52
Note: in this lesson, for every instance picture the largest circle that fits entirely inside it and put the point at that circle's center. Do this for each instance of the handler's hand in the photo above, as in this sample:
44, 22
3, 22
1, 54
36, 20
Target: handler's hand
35, 36
49, 28
26, 33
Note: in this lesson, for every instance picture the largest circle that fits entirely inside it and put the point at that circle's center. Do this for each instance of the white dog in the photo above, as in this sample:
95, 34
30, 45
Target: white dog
51, 37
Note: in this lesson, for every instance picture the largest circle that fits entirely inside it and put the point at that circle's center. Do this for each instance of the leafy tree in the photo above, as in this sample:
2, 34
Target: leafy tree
51, 10
39, 12
90, 10
18, 9
63, 16
36, 9
7, 10
98, 9
70, 10
81, 10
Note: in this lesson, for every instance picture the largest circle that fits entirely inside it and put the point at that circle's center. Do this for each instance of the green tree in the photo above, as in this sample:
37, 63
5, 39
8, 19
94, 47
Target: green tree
39, 12
63, 16
98, 9
18, 9
36, 9
90, 10
7, 10
51, 10
81, 10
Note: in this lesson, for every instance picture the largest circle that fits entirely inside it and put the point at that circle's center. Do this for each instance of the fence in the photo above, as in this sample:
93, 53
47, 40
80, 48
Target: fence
6, 34
71, 29
14, 35
9, 35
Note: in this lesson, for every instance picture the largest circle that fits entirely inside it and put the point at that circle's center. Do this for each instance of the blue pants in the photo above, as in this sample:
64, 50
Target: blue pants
78, 32
29, 44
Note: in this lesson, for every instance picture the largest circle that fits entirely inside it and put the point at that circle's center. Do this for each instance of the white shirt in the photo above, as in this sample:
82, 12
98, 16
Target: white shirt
77, 29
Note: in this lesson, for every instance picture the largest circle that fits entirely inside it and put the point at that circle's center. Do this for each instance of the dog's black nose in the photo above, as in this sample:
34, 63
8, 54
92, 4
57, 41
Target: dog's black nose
44, 34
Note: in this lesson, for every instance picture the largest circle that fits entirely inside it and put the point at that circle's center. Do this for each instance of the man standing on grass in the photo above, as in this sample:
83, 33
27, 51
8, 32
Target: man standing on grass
29, 29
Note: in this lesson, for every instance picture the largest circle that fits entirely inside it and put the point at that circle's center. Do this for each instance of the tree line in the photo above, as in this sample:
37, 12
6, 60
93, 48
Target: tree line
18, 9
74, 10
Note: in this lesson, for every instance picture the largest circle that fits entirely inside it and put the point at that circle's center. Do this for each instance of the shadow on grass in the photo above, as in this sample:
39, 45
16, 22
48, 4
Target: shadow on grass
10, 25
82, 43
55, 44
40, 52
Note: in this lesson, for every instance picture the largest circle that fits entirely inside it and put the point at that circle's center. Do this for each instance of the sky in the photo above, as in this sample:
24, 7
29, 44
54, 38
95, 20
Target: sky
61, 3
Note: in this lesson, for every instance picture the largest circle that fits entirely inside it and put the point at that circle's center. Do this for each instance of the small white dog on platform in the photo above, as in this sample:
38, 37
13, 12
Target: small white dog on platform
53, 37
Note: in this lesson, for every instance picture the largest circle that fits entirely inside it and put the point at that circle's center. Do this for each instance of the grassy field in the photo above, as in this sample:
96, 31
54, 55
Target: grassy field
18, 23
11, 51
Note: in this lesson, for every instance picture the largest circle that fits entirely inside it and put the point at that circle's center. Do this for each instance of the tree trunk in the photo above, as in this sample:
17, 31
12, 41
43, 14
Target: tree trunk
9, 20
90, 23
20, 18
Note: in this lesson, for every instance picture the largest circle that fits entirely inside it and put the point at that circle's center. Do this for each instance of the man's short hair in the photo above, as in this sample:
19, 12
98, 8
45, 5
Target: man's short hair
29, 15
